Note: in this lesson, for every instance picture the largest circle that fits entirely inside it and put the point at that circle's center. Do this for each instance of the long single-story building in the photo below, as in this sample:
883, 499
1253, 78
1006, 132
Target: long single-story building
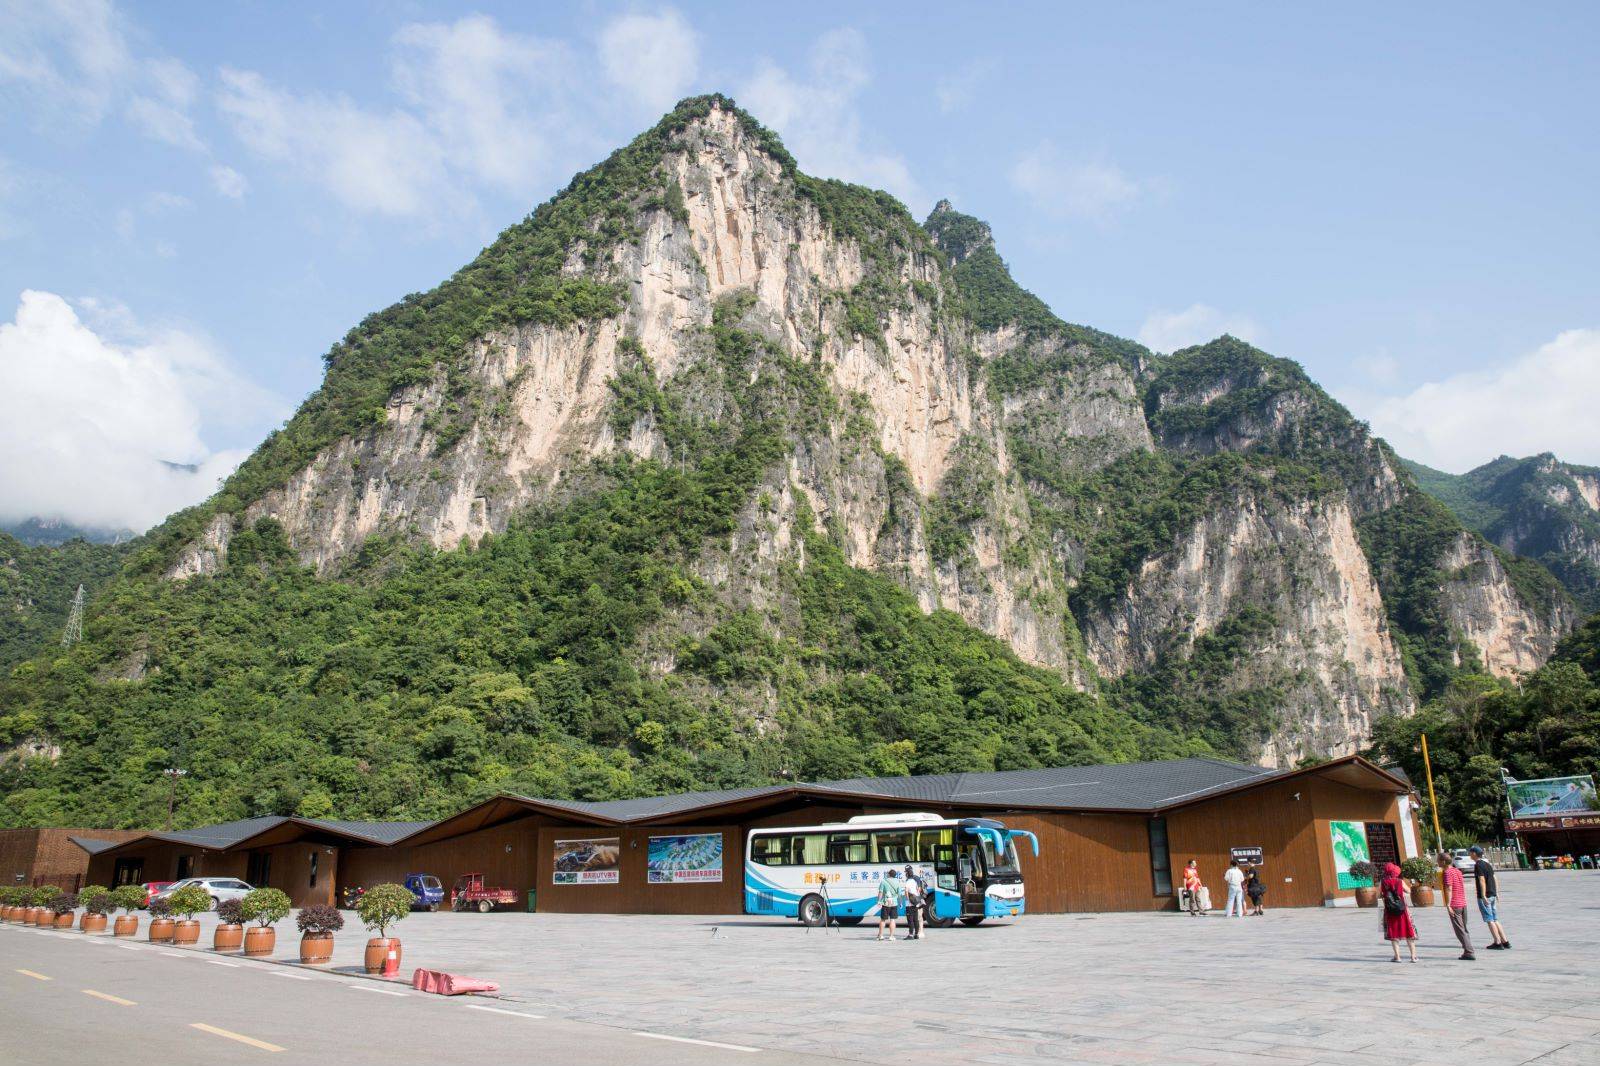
1110, 837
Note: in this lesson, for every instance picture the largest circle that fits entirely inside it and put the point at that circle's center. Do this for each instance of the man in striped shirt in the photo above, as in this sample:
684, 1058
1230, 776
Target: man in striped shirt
1455, 904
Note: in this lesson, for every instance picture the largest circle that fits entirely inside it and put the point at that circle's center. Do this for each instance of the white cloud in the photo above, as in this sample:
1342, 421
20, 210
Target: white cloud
97, 412
228, 182
383, 162
1542, 401
1073, 188
479, 104
652, 58
73, 59
816, 115
1168, 331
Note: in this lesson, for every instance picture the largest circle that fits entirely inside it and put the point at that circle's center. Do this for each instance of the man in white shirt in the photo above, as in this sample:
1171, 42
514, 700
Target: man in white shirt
913, 905
1235, 879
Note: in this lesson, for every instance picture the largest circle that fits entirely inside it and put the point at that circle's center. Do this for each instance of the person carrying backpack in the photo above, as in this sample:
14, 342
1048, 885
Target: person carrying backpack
1396, 912
1255, 888
889, 896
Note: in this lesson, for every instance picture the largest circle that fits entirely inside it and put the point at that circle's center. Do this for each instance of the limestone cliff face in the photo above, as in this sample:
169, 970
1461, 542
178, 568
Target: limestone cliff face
1483, 605
973, 447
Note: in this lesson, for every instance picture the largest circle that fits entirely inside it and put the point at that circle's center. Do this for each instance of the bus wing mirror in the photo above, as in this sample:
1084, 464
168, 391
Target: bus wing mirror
1012, 834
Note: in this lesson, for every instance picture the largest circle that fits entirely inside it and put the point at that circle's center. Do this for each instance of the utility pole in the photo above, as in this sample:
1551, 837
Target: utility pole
74, 631
1433, 801
172, 774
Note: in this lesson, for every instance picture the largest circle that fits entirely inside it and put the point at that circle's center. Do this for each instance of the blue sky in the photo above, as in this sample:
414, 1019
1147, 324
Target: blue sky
1402, 200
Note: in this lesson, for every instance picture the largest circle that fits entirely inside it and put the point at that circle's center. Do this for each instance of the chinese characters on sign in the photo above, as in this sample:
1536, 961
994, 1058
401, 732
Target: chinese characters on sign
680, 860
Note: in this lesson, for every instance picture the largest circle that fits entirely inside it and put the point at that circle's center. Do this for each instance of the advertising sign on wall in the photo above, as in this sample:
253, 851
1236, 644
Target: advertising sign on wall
680, 860
1349, 841
1551, 795
587, 862
1250, 856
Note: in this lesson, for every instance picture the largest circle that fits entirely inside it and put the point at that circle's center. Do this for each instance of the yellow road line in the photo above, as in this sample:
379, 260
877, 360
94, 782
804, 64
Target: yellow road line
252, 1041
35, 976
109, 998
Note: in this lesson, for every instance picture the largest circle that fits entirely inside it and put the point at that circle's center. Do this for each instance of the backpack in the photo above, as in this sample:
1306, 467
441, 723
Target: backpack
1394, 904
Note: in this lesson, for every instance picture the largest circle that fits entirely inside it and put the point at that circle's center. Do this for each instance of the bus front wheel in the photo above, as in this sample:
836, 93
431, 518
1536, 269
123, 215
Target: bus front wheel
941, 923
972, 921
812, 911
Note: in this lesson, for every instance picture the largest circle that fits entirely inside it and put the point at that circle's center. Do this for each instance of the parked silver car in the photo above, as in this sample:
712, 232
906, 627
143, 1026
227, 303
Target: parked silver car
220, 888
1462, 860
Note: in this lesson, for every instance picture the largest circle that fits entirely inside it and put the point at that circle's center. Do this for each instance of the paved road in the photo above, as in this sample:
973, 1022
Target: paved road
67, 999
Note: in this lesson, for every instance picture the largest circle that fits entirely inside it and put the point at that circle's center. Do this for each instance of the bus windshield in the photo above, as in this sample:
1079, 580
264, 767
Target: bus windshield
1000, 863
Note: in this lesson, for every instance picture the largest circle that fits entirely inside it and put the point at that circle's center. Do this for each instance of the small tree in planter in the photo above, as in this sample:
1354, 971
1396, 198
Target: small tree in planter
127, 899
61, 907
10, 896
1420, 872
161, 923
1366, 895
188, 901
43, 913
229, 935
264, 906
380, 907
317, 923
96, 903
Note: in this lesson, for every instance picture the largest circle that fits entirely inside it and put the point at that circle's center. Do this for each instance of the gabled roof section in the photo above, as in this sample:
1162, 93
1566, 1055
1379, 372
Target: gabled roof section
93, 846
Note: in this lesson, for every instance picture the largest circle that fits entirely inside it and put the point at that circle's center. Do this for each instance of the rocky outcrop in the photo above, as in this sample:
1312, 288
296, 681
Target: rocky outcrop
1482, 604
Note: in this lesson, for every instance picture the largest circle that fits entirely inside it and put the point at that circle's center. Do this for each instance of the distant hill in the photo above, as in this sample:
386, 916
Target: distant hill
37, 582
53, 531
1538, 507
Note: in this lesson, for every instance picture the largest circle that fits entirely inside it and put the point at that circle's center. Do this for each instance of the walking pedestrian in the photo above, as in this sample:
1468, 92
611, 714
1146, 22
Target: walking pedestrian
1397, 924
914, 898
889, 895
1455, 904
1488, 899
1235, 878
1192, 887
1255, 888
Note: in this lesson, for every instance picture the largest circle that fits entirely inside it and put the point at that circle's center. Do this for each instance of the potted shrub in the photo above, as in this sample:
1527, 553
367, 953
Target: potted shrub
11, 901
63, 910
263, 906
380, 907
1366, 896
161, 923
188, 901
43, 913
1420, 872
317, 924
96, 903
229, 935
127, 899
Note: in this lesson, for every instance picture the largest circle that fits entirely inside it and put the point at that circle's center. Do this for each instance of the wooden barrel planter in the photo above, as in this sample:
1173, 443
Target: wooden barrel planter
259, 940
316, 948
1367, 897
93, 923
161, 930
228, 938
186, 933
126, 925
378, 949
65, 920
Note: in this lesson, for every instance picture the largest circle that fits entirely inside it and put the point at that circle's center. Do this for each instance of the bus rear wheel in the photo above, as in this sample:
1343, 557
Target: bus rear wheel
972, 921
812, 911
941, 923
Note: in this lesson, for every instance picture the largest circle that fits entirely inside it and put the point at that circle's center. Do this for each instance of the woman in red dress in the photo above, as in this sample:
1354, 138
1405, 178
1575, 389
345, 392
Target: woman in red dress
1396, 925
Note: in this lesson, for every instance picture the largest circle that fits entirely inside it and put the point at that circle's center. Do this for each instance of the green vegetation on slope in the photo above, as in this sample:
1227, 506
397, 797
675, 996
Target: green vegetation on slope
1548, 726
37, 585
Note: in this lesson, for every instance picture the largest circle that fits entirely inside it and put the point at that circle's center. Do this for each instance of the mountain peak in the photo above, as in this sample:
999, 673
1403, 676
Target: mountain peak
958, 235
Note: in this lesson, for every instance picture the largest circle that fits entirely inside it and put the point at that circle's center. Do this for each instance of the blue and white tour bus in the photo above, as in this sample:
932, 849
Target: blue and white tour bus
833, 870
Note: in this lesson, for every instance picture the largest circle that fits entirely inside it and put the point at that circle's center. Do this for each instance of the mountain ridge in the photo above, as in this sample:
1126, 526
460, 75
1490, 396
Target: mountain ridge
709, 472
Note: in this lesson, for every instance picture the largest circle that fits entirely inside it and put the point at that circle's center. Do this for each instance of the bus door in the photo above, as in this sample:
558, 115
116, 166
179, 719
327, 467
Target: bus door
970, 877
947, 882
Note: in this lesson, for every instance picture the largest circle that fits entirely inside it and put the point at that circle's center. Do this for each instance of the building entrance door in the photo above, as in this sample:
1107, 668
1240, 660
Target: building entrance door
128, 872
1382, 844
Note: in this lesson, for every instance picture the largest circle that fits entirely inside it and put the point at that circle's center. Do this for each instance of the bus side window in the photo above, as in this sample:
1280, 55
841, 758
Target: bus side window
770, 850
847, 848
892, 846
810, 849
928, 841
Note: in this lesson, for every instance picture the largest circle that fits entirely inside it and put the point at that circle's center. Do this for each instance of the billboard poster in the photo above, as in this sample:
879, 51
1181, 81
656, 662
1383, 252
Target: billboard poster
1551, 796
682, 860
1247, 856
587, 862
1349, 846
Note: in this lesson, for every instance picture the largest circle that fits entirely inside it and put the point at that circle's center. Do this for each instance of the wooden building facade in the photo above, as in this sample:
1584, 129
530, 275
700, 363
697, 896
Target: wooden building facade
1111, 838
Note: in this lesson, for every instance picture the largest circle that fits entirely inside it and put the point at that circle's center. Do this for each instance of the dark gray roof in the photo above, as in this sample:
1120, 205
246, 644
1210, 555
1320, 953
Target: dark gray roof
1140, 786
224, 834
380, 832
93, 846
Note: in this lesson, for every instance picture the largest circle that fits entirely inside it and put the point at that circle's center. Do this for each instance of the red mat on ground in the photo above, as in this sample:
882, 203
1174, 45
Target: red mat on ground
449, 984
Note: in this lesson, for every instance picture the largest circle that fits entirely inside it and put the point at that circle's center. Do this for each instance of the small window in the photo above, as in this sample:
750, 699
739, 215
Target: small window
928, 841
848, 848
893, 845
1160, 858
313, 869
770, 850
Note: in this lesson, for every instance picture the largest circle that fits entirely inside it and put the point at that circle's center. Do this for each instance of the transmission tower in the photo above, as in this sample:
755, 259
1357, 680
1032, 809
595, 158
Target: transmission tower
74, 630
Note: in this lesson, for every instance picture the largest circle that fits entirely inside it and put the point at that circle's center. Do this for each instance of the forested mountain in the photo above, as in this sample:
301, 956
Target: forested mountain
51, 532
37, 583
1539, 507
710, 473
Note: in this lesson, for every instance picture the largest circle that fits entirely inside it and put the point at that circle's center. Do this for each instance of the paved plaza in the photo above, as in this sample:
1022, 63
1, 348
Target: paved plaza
1295, 986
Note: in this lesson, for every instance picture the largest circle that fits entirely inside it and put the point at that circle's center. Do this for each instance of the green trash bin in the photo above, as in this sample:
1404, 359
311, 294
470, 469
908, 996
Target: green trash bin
532, 896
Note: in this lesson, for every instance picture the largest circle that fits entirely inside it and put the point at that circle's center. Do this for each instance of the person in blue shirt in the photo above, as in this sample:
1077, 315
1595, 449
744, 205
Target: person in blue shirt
890, 893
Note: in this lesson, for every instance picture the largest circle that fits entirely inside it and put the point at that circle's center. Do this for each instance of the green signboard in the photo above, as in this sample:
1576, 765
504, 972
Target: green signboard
1349, 846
